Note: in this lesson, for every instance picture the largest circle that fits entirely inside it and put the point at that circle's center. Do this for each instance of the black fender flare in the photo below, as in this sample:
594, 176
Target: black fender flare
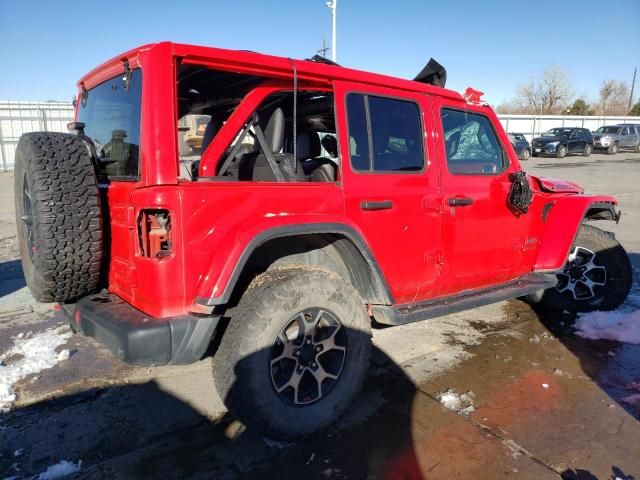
355, 245
602, 211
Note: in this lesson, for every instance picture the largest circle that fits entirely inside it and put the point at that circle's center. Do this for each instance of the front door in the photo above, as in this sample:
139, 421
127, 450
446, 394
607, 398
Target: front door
391, 190
482, 237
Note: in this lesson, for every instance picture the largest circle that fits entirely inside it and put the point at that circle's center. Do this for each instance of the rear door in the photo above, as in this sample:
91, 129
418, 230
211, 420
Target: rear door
627, 140
483, 239
576, 141
391, 189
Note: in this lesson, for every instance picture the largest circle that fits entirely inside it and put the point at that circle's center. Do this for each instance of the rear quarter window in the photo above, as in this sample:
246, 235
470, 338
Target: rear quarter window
111, 115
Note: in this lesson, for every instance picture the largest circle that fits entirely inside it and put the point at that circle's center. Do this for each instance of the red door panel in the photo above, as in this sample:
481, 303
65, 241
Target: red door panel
397, 212
483, 238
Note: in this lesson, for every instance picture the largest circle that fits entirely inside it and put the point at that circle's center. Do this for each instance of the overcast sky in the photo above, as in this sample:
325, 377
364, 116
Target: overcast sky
491, 45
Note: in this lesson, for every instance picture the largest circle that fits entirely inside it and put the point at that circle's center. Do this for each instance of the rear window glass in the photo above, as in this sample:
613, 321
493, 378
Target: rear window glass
111, 115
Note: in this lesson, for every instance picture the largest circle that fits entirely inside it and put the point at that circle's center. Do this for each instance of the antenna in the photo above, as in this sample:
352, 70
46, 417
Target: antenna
323, 50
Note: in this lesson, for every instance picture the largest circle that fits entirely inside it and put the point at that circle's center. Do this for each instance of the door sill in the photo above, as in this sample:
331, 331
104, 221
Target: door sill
425, 309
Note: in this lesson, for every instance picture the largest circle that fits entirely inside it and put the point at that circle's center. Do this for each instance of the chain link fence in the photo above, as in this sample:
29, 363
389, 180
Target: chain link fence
17, 118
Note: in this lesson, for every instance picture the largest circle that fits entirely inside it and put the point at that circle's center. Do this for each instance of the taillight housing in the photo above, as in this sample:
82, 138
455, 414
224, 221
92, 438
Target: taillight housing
154, 233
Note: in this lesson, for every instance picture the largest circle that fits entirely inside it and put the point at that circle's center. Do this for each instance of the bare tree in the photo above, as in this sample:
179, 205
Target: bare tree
549, 93
614, 97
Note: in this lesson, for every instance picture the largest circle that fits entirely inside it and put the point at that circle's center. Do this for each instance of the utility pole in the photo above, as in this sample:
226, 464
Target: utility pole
633, 84
332, 5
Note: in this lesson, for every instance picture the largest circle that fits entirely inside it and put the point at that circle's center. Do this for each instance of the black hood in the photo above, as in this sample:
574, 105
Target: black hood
545, 140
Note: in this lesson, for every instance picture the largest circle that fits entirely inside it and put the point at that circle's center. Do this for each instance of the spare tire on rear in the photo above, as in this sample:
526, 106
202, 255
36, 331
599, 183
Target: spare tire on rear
58, 216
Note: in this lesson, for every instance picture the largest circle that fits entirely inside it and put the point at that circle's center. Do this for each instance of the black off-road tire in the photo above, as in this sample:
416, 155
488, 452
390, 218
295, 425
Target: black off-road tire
608, 254
613, 149
55, 180
242, 364
588, 149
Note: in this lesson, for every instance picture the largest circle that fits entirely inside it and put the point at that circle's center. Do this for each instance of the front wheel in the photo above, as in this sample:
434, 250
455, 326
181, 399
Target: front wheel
562, 151
525, 154
613, 149
295, 353
587, 150
597, 276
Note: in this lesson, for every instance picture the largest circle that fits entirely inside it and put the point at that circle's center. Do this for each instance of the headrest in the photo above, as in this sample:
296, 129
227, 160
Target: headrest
308, 145
274, 130
209, 133
330, 144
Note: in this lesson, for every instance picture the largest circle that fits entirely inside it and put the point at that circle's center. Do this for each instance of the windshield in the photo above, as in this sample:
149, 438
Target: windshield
608, 130
111, 116
557, 132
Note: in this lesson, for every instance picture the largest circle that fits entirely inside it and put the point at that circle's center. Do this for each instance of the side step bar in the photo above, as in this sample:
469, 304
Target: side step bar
414, 312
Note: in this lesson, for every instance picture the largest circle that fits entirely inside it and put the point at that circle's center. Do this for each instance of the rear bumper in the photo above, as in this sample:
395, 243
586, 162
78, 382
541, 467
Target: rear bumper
137, 338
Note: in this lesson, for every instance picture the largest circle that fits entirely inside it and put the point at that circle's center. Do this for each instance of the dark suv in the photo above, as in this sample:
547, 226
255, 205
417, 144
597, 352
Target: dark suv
561, 141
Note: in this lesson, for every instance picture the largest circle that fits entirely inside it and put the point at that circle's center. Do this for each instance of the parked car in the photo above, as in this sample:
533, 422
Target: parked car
613, 138
521, 145
288, 258
560, 142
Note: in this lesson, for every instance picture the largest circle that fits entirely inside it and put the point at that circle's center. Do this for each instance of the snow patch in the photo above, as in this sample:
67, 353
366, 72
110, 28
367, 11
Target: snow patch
30, 353
461, 404
59, 470
623, 326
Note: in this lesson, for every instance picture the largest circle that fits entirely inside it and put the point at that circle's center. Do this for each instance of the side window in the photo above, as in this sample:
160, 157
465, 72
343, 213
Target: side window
358, 134
471, 144
385, 134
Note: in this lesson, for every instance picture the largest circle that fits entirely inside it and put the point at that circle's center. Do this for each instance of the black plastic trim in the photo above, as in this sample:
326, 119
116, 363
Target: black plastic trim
354, 237
137, 338
414, 312
601, 211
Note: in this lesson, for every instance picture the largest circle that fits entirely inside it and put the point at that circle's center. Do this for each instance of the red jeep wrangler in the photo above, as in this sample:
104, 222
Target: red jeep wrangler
283, 207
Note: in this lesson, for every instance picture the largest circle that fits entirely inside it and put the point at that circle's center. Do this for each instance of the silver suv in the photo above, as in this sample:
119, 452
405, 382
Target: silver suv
615, 137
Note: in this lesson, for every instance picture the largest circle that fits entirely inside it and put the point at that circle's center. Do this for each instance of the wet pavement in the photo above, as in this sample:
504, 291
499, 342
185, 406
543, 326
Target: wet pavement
546, 403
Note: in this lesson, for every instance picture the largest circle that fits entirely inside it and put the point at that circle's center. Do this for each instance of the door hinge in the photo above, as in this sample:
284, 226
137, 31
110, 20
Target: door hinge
434, 257
433, 204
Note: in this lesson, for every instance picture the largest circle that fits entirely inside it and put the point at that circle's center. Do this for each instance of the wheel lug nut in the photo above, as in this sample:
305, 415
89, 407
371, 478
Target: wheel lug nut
318, 348
297, 353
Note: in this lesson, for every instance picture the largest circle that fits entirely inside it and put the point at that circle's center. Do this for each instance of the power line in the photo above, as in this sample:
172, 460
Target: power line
633, 84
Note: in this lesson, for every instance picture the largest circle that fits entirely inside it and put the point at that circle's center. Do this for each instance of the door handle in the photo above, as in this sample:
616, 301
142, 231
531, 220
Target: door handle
371, 205
459, 201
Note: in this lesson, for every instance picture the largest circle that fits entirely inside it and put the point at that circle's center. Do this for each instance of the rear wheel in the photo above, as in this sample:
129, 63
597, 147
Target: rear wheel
562, 151
58, 216
637, 148
597, 276
295, 353
587, 150
613, 149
